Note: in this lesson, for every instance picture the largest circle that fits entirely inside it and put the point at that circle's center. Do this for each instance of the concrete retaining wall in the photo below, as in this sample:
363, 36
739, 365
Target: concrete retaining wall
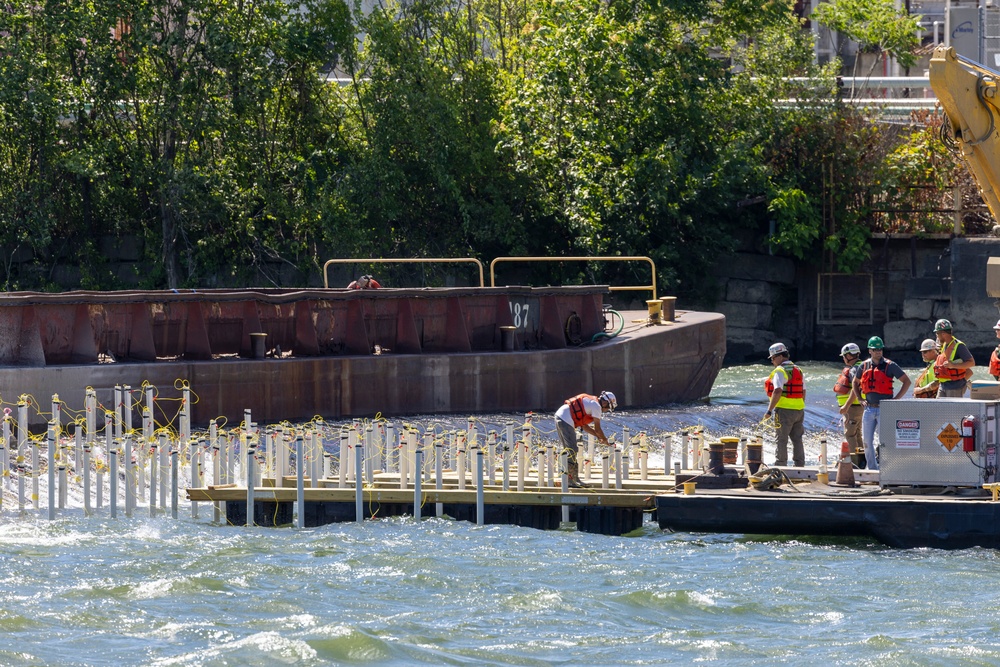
913, 283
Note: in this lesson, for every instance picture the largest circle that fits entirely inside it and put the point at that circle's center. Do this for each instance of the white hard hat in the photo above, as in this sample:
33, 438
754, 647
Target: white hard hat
850, 348
776, 349
610, 398
997, 325
929, 344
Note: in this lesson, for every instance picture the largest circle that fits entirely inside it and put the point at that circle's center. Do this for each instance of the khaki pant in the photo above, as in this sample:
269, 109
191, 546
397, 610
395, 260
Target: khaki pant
852, 428
950, 393
789, 426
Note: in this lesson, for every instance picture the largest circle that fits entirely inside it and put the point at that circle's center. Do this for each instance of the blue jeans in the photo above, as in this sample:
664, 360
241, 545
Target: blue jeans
869, 423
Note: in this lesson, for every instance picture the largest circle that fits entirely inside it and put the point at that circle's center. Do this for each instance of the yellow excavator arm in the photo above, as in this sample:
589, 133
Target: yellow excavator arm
968, 94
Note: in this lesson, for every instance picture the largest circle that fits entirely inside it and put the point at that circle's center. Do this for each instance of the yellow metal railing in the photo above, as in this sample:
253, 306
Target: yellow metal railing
418, 260
622, 288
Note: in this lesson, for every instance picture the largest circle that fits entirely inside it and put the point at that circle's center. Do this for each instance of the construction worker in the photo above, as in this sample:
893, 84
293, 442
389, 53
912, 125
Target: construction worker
927, 383
364, 282
873, 382
787, 394
583, 411
995, 357
851, 356
954, 362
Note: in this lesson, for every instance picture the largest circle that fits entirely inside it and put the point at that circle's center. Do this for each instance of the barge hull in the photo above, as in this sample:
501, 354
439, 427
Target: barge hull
897, 521
648, 366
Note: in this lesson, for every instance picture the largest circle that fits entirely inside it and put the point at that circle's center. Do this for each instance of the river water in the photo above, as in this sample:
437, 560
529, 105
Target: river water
157, 591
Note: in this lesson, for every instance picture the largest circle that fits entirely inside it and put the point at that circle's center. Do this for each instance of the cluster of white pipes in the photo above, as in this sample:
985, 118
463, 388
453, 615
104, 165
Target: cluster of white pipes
116, 467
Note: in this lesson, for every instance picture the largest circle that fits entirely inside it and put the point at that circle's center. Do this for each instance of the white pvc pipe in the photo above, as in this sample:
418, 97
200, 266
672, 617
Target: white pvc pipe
564, 483
544, 470
185, 434
522, 463
605, 469
391, 456
491, 456
250, 484
127, 408
52, 470
62, 486
197, 475
4, 456
685, 443
300, 483
359, 480
164, 469
77, 446
352, 445
35, 468
113, 475
154, 472
20, 487
588, 461
480, 496
618, 467
174, 465
506, 465
318, 458
91, 414
372, 451
460, 463
626, 443
439, 473
117, 422
418, 494
129, 477
342, 458
86, 478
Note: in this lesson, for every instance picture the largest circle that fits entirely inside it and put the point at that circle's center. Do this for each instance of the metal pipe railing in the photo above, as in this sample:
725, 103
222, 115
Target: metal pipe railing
626, 288
413, 260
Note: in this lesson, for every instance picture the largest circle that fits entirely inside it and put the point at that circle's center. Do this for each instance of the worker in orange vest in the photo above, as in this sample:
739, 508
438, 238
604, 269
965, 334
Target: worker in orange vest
583, 411
954, 362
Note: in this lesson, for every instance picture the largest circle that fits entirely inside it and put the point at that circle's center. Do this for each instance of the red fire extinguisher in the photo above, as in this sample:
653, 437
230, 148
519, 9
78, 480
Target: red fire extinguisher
969, 433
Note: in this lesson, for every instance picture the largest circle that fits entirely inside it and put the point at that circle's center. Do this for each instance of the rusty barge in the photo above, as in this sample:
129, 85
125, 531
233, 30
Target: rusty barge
294, 354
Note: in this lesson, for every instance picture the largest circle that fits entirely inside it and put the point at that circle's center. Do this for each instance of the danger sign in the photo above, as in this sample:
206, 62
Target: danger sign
908, 434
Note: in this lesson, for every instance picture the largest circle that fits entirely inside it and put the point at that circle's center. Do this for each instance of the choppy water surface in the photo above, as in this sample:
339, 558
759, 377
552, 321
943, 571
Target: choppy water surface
140, 591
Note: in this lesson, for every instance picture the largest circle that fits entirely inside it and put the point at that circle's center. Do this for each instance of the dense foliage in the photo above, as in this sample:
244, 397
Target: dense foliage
211, 131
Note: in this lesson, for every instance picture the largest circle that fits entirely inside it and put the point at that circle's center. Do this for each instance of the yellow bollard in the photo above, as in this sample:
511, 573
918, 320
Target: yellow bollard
654, 307
689, 488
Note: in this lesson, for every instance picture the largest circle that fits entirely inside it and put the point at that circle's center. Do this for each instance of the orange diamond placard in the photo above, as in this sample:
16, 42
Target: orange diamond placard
949, 437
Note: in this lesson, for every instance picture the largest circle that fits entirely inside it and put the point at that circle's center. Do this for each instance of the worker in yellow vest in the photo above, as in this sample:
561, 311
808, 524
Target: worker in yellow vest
851, 420
927, 382
954, 363
787, 403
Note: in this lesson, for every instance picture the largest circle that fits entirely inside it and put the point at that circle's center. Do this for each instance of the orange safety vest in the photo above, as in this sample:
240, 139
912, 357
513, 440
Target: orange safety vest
793, 388
995, 363
577, 412
843, 385
874, 380
948, 374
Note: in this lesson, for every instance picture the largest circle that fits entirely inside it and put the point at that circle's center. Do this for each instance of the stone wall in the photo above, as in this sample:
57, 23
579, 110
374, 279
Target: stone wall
913, 282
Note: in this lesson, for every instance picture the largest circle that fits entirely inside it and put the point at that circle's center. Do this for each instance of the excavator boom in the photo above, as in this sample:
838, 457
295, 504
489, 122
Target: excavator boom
968, 94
